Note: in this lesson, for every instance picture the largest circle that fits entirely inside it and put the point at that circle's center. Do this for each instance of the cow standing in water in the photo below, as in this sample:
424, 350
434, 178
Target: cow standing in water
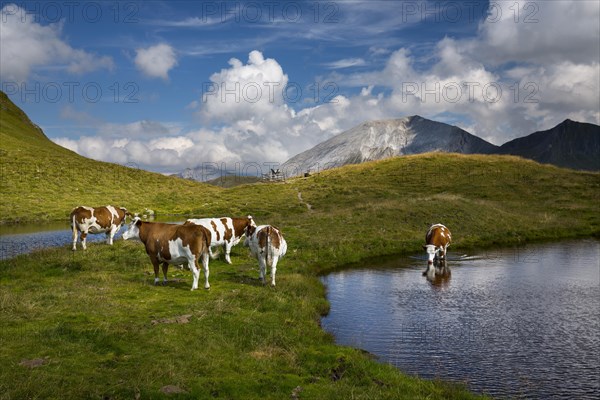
95, 220
437, 240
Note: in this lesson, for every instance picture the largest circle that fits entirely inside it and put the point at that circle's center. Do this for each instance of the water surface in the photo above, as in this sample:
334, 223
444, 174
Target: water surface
520, 322
18, 239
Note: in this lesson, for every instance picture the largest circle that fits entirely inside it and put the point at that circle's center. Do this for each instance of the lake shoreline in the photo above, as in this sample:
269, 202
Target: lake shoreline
474, 243
495, 243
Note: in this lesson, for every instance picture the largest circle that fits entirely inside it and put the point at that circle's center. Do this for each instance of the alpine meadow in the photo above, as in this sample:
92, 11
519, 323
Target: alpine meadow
302, 167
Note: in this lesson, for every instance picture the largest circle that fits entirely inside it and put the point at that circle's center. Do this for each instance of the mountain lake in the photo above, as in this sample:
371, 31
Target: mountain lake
519, 322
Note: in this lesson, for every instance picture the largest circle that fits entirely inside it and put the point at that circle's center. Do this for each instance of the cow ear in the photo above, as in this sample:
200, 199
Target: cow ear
424, 247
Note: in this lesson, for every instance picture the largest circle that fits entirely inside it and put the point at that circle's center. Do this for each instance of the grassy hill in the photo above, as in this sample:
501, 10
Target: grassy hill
42, 180
100, 329
232, 181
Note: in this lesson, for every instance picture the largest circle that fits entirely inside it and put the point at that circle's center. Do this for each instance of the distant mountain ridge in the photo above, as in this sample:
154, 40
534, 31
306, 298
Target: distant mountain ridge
570, 144
375, 140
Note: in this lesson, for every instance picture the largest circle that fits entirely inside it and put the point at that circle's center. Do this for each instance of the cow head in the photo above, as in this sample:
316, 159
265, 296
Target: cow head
431, 252
250, 221
125, 214
133, 232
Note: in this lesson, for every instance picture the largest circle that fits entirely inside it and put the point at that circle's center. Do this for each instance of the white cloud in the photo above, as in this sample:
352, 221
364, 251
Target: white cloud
180, 144
190, 22
25, 45
378, 51
245, 91
156, 61
67, 143
138, 129
540, 32
346, 63
96, 148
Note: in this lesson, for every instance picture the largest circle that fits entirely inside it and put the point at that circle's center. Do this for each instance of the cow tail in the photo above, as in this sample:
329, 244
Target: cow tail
74, 228
267, 258
206, 242
73, 225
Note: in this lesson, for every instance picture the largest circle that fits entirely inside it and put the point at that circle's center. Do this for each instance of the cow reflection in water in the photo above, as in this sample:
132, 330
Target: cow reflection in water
438, 274
437, 240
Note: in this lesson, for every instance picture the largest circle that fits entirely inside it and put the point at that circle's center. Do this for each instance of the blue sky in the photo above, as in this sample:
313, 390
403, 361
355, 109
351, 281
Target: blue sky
170, 85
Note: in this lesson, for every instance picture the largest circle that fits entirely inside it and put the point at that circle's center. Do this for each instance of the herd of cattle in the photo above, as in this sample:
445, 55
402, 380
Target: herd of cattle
192, 242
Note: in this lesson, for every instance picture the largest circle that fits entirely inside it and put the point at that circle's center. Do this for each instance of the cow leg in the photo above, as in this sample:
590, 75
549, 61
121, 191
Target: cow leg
262, 266
228, 247
74, 239
111, 234
274, 269
83, 238
430, 271
206, 271
165, 269
155, 264
193, 264
439, 254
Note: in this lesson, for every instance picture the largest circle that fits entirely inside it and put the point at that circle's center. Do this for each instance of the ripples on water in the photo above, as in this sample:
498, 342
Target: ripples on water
511, 323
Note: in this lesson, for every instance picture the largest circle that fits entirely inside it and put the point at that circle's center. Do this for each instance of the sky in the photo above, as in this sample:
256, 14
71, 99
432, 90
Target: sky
170, 85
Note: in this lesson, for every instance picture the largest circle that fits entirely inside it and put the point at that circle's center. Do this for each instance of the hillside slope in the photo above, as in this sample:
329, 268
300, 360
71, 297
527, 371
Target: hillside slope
42, 180
376, 140
569, 144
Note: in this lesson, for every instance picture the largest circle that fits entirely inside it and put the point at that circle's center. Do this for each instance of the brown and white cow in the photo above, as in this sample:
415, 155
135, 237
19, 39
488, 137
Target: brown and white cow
94, 220
225, 231
266, 244
437, 240
173, 244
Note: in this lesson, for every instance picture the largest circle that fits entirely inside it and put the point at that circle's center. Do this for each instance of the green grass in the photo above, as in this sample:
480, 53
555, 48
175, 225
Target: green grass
89, 315
230, 181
